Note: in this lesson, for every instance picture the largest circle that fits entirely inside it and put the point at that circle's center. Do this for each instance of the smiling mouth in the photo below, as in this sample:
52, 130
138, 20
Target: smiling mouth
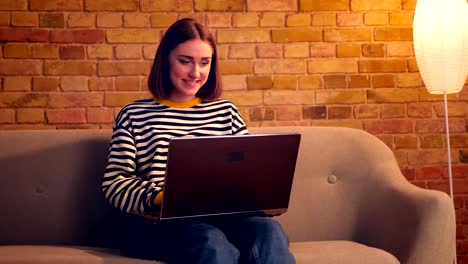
191, 82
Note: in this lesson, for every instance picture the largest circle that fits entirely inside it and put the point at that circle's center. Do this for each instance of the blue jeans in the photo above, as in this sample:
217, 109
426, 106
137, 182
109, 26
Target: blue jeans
253, 239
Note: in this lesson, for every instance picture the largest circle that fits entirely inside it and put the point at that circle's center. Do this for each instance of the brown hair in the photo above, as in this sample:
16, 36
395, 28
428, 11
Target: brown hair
183, 30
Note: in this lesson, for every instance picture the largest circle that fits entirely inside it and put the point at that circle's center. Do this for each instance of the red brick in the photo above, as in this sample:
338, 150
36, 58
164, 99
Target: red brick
364, 5
455, 109
409, 4
219, 20
259, 82
132, 36
123, 68
66, 116
26, 127
101, 84
406, 142
367, 111
227, 5
348, 49
296, 35
111, 5
100, 115
383, 81
420, 110
340, 112
334, 81
322, 50
81, 20
393, 111
459, 141
396, 126
137, 20
30, 115
128, 51
359, 81
7, 116
393, 34
83, 99
78, 36
5, 19
55, 5
74, 83
9, 5
382, 66
72, 53
45, 51
161, 20
427, 157
347, 34
432, 126
272, 51
127, 83
78, 126
429, 173
109, 20
24, 35
17, 50
20, 67
432, 141
261, 113
69, 68
286, 113
320, 5
24, 19
15, 83
42, 84
123, 98
166, 5
19, 99
52, 20
314, 112
272, 5
349, 20
373, 50
283, 82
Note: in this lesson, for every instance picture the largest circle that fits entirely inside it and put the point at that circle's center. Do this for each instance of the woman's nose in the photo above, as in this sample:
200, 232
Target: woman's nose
195, 71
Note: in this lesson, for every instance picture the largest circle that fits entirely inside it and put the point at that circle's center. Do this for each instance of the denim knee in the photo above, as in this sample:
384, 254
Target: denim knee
266, 227
212, 245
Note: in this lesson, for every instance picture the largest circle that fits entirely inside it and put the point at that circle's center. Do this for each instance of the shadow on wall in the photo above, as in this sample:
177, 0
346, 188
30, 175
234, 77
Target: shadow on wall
52, 195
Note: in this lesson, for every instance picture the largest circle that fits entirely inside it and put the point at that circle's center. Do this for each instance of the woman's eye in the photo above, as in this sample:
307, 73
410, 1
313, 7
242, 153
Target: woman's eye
205, 62
184, 61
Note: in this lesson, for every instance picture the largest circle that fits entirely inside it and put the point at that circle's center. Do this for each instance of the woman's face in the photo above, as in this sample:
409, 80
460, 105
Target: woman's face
189, 68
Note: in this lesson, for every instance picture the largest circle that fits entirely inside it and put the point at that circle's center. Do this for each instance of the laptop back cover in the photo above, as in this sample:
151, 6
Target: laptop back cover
229, 175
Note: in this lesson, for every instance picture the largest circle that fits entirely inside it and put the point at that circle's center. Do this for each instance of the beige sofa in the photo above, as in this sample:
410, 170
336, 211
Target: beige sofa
350, 203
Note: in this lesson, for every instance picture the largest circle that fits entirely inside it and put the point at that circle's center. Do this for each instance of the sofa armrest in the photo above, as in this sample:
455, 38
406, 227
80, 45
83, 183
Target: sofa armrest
414, 224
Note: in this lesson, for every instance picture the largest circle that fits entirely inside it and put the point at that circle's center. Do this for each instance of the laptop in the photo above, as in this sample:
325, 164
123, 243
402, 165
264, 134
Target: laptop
229, 175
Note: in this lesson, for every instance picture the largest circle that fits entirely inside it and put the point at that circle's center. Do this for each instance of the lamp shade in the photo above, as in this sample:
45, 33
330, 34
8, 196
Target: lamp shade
440, 37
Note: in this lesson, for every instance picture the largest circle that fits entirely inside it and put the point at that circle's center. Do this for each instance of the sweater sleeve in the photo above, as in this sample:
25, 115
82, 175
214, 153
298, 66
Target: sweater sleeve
238, 125
122, 187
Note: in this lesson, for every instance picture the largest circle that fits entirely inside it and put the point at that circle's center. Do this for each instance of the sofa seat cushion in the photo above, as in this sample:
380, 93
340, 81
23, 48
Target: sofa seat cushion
65, 254
339, 252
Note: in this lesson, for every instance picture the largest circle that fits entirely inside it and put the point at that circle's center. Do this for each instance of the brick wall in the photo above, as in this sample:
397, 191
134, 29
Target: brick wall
75, 63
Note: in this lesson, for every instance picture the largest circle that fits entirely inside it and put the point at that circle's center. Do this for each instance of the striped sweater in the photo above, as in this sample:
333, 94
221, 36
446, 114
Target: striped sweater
136, 164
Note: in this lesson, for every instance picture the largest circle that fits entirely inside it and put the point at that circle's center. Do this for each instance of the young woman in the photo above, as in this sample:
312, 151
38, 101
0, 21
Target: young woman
185, 84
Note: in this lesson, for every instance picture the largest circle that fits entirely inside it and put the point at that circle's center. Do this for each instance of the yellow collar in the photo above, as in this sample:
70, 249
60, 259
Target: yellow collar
173, 104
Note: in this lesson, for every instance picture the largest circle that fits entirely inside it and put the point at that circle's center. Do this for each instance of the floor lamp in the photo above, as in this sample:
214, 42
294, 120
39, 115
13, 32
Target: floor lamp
440, 37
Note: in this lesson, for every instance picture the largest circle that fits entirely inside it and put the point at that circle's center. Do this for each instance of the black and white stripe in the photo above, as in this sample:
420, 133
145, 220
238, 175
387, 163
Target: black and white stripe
136, 165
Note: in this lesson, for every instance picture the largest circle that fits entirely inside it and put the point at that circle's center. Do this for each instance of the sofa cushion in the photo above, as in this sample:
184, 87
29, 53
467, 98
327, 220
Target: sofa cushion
339, 252
63, 254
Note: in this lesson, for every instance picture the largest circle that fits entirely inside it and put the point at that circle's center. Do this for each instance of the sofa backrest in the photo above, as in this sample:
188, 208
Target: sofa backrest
50, 185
